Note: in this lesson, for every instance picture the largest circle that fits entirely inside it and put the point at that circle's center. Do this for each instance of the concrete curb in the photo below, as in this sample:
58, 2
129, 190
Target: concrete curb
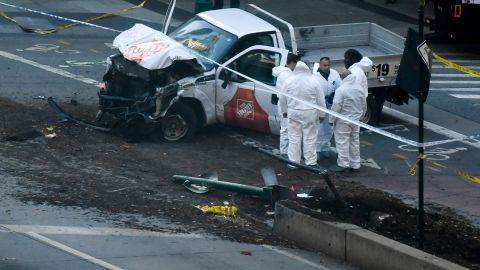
352, 244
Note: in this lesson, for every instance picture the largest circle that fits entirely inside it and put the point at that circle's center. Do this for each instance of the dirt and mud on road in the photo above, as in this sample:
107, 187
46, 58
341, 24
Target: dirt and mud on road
85, 168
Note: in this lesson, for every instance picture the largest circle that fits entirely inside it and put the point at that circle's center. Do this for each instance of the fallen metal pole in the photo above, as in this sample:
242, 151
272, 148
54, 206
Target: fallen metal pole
265, 192
323, 173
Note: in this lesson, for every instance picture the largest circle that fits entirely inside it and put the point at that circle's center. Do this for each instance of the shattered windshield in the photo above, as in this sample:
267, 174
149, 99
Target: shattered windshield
205, 38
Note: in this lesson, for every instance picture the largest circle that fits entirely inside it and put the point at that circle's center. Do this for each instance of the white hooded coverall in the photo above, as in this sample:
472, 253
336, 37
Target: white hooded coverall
325, 132
351, 101
302, 118
357, 69
282, 73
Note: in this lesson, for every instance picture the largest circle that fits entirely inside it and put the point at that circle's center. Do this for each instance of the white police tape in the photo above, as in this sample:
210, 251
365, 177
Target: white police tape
58, 17
274, 90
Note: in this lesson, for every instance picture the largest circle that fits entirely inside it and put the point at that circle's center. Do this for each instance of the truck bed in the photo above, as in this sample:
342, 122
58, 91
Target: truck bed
332, 40
382, 46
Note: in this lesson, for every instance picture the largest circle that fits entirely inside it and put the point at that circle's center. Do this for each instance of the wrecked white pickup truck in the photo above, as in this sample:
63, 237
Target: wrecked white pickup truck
180, 83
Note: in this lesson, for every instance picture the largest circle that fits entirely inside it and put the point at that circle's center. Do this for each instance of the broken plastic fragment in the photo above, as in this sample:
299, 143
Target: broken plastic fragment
51, 128
304, 195
51, 135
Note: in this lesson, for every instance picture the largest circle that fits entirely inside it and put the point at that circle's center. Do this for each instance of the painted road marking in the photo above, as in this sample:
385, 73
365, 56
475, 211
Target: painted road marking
463, 61
467, 66
57, 71
454, 82
295, 257
71, 251
431, 126
466, 96
67, 230
436, 153
452, 75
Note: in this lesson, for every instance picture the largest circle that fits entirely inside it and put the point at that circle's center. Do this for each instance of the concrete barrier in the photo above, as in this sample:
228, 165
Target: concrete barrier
327, 237
356, 246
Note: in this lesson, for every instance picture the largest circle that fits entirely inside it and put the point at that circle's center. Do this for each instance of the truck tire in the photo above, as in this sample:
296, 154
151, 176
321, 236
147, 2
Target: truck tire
179, 124
372, 116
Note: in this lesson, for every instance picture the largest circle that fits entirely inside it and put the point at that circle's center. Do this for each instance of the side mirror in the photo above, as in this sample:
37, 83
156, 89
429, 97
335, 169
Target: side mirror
225, 76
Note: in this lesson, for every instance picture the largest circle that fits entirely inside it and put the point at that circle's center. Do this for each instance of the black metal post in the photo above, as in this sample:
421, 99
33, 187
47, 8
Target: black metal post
420, 218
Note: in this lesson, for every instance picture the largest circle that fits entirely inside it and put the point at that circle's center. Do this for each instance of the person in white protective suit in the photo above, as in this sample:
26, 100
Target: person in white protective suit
332, 79
282, 73
302, 118
350, 101
355, 63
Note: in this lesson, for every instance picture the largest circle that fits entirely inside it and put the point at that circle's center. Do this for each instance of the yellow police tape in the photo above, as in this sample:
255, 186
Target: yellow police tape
455, 66
465, 175
67, 26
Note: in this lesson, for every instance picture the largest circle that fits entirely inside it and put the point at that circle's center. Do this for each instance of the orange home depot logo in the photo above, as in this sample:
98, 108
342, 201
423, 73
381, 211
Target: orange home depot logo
243, 110
139, 51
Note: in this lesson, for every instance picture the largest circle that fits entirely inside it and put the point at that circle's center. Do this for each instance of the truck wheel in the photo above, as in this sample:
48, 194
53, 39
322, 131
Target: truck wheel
180, 123
372, 116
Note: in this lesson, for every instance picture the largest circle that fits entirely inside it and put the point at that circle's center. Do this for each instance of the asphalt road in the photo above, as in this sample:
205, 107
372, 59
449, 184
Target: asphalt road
70, 63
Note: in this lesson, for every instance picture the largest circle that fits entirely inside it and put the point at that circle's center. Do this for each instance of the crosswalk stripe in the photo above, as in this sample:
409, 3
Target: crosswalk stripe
467, 66
453, 89
466, 96
453, 75
476, 61
455, 82
443, 79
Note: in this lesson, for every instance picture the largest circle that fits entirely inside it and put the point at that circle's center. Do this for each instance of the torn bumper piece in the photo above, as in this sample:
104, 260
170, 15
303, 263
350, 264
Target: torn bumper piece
68, 117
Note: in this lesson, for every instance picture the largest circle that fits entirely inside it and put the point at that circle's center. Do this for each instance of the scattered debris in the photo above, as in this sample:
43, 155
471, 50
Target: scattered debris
304, 195
51, 128
379, 217
117, 190
51, 135
125, 146
219, 210
201, 188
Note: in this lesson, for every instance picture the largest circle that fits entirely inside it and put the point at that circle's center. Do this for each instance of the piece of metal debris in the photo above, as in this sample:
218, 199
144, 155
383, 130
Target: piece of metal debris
35, 25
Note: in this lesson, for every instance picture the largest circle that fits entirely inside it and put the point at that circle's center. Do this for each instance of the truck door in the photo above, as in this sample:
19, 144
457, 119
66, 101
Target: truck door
245, 97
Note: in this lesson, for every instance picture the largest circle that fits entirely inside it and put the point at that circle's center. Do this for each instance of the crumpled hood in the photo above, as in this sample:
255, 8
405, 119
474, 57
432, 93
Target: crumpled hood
150, 48
276, 71
301, 68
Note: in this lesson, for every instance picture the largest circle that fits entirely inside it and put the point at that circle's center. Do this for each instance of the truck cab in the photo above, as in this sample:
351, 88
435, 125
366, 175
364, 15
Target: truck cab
246, 47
